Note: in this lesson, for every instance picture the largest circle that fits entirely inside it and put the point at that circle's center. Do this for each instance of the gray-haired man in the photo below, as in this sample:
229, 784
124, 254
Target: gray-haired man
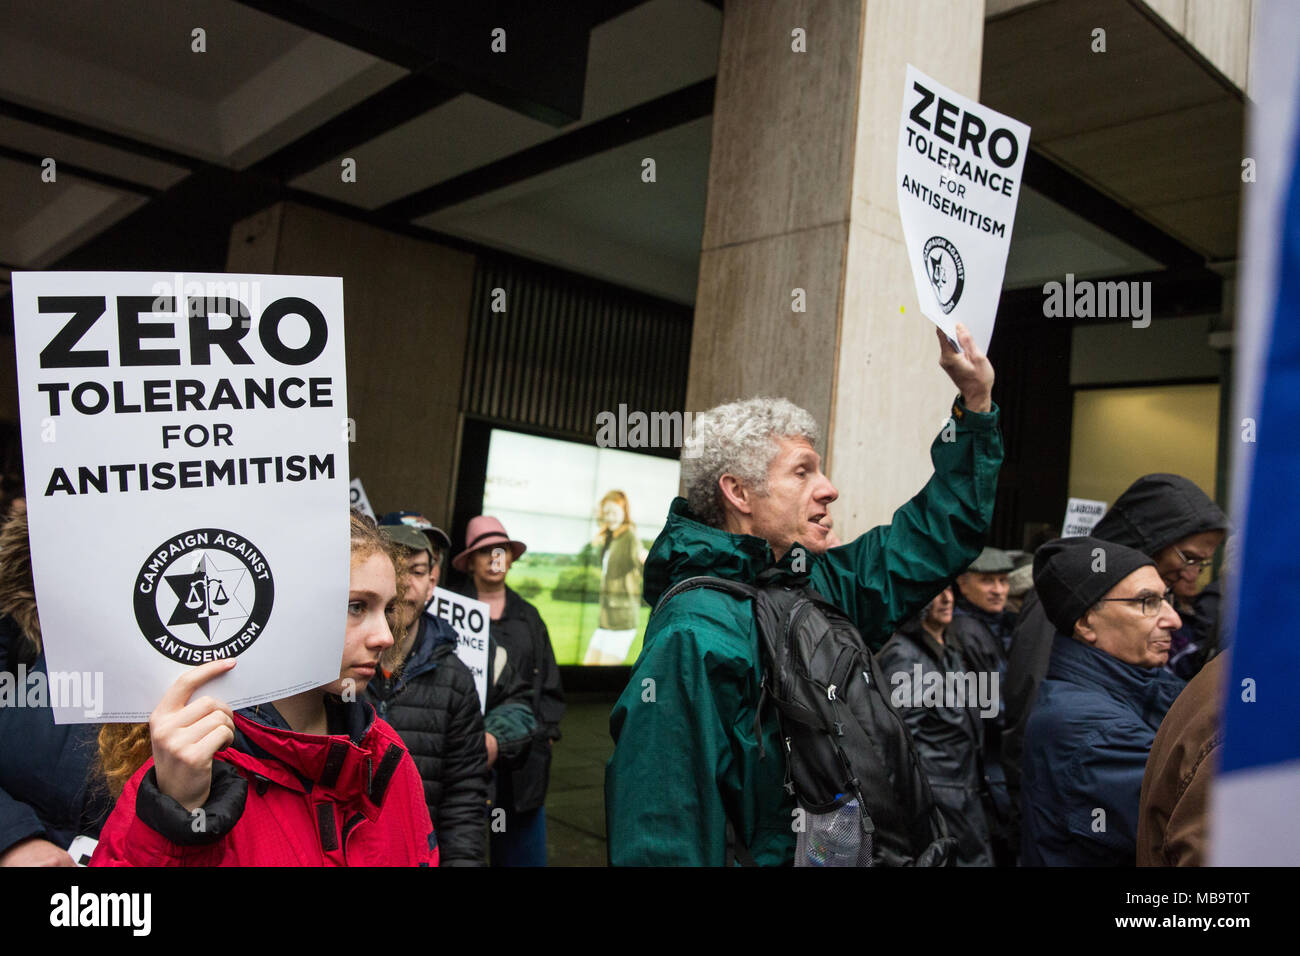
687, 756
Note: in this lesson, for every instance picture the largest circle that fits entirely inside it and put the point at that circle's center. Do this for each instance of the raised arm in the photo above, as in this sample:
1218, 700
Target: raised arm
891, 571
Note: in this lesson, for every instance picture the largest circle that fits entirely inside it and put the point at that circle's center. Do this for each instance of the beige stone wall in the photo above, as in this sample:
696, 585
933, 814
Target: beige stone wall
802, 195
406, 309
1219, 30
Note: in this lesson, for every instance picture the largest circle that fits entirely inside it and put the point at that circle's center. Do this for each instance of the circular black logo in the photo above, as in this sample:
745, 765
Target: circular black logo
204, 595
944, 268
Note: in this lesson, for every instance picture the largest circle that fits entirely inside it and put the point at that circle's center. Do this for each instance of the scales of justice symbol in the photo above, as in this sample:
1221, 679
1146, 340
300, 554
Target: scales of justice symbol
203, 600
204, 604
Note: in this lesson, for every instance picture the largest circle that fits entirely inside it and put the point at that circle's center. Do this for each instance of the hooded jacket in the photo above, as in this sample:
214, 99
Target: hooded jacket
948, 738
433, 704
281, 798
48, 785
687, 749
1086, 750
1152, 514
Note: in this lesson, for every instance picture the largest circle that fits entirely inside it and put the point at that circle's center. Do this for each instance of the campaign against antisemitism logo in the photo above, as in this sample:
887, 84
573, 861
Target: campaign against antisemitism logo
204, 595
947, 274
958, 175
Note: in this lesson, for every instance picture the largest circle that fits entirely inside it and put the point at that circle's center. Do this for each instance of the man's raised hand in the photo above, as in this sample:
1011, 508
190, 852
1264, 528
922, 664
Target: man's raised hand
969, 369
185, 735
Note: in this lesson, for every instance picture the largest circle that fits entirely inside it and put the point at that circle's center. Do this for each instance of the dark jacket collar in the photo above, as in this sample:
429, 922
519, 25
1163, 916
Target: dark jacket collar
915, 632
996, 620
432, 641
1148, 691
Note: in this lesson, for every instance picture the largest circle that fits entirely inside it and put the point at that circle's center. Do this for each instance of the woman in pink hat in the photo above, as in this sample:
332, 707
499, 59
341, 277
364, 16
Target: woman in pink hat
518, 632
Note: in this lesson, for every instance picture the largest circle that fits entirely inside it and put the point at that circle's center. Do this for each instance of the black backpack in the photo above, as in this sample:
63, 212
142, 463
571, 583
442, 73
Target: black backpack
843, 738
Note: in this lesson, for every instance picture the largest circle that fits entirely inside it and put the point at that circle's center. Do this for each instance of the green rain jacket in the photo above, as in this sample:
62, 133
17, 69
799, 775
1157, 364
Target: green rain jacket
686, 754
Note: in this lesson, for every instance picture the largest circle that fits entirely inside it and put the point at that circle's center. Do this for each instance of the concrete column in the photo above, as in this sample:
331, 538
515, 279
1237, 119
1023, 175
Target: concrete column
406, 313
802, 195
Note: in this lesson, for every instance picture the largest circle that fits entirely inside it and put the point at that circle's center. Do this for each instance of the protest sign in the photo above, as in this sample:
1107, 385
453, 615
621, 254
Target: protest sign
358, 499
1081, 516
185, 449
959, 168
470, 619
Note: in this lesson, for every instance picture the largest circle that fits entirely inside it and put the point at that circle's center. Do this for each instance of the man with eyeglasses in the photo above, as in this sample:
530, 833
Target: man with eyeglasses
1172, 521
1100, 705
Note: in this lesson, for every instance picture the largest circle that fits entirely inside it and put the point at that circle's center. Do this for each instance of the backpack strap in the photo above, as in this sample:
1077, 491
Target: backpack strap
734, 588
737, 852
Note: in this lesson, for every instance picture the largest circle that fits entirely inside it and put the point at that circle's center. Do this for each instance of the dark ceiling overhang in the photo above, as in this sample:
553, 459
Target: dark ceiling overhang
541, 72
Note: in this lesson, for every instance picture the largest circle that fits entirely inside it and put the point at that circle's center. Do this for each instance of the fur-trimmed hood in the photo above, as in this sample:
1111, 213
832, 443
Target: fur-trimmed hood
17, 592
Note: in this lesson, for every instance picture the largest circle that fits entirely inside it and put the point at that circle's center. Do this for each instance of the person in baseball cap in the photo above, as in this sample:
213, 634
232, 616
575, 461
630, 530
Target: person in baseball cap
436, 541
1100, 705
430, 698
414, 519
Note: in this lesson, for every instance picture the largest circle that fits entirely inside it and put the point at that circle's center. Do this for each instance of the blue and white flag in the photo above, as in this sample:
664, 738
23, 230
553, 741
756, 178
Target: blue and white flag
1255, 807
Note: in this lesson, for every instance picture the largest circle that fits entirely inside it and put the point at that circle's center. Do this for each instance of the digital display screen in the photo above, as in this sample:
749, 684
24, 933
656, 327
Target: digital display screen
588, 516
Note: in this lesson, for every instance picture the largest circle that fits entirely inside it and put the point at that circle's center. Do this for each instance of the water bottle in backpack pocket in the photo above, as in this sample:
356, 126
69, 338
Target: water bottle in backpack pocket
839, 837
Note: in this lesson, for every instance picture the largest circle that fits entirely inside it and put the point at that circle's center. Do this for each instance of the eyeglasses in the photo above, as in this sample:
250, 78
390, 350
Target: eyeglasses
1150, 602
1200, 564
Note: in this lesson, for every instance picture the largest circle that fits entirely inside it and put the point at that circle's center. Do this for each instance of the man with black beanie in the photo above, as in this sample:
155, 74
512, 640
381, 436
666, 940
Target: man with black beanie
1169, 519
1100, 705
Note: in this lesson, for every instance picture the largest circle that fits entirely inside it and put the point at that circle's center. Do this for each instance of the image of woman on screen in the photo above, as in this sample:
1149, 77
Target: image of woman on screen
621, 561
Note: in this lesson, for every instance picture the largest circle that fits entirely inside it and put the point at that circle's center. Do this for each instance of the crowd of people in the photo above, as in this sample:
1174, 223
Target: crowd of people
954, 703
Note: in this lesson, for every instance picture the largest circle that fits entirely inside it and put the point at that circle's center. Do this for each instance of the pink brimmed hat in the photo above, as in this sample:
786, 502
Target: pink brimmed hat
486, 532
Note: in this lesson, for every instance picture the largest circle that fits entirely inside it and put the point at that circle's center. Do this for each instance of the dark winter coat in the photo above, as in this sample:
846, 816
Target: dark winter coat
1153, 513
281, 798
983, 638
521, 780
1085, 754
433, 704
948, 738
49, 787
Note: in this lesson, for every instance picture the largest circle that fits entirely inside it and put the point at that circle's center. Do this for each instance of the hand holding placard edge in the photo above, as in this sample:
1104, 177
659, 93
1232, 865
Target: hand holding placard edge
185, 734
969, 369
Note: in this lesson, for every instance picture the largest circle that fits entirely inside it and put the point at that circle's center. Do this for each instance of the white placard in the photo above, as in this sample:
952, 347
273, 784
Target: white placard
471, 620
1081, 516
185, 469
959, 170
358, 499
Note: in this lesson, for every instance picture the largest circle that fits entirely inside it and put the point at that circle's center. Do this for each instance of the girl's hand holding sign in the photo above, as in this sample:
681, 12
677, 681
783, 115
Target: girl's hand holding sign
187, 733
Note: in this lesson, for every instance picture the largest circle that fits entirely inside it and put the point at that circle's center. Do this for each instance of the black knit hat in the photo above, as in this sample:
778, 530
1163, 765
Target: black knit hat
1070, 575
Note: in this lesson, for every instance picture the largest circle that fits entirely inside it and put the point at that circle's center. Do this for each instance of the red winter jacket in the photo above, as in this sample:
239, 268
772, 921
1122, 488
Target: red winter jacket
281, 798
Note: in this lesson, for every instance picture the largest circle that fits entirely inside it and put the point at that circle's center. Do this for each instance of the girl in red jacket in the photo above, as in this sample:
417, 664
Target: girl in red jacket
315, 779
